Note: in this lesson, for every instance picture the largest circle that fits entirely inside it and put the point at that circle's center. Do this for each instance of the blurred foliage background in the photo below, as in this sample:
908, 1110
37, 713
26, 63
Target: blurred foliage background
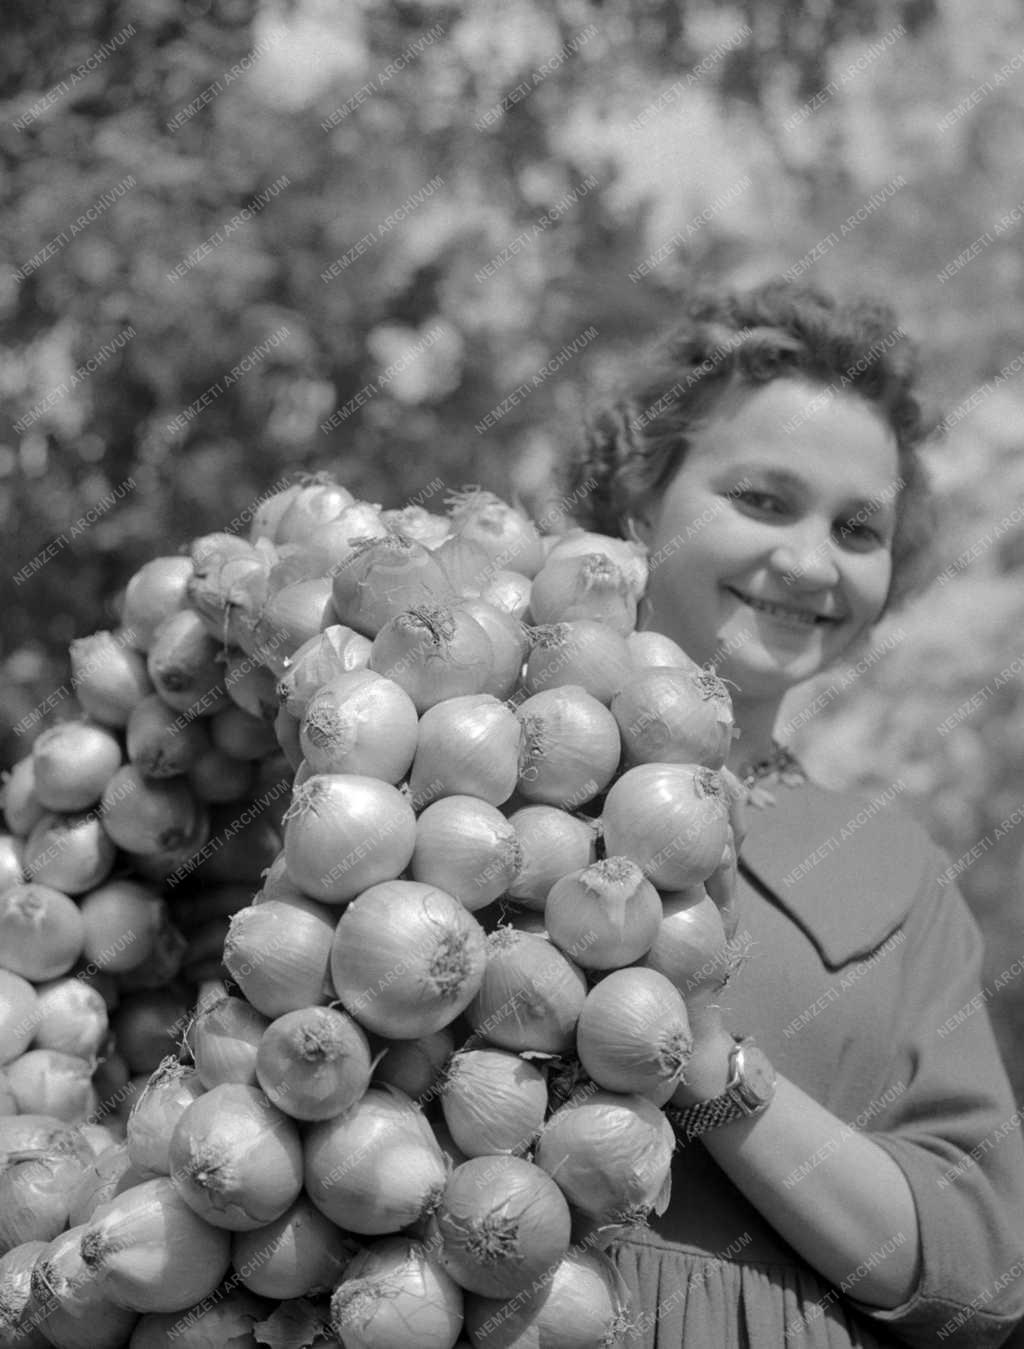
191, 186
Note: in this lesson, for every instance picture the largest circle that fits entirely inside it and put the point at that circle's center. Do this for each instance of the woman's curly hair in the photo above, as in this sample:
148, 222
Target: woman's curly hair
634, 444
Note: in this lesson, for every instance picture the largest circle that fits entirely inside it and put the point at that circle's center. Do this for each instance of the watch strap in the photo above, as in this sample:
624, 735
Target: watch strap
694, 1120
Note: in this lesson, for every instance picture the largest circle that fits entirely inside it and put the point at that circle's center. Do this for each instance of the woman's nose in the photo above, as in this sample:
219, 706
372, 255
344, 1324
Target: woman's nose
806, 560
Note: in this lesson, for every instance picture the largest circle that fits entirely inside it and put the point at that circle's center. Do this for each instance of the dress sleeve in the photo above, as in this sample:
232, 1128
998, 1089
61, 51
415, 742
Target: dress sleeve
955, 1132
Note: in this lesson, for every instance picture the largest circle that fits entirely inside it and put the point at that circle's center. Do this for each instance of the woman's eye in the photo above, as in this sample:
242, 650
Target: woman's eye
766, 502
857, 534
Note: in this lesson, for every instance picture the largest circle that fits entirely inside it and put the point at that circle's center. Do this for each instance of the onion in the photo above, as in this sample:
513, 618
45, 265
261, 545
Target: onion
183, 665
629, 555
19, 1315
467, 746
153, 593
673, 819
249, 685
235, 1158
151, 1252
75, 1313
582, 1302
345, 832
228, 593
434, 653
148, 1025
415, 1066
419, 524
35, 1192
8, 1105
50, 1082
570, 747
377, 1167
633, 1034
654, 648
508, 591
465, 563
691, 949
314, 1063
71, 853
362, 723
225, 1040
22, 808
122, 922
270, 512
168, 1093
145, 815
406, 959
395, 1295
210, 550
582, 652
229, 1319
19, 1015
334, 651
278, 954
334, 541
466, 847
668, 715
551, 843
509, 644
34, 1133
288, 619
217, 778
71, 1017
109, 1173
72, 763
161, 744
507, 536
317, 501
605, 915
240, 734
503, 1222
108, 677
493, 1101
612, 1155
590, 586
41, 931
531, 994
383, 578
297, 1255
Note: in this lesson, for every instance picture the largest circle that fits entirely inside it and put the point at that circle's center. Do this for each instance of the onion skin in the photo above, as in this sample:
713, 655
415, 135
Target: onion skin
467, 847
41, 932
279, 953
167, 1095
570, 748
22, 808
19, 1316
72, 853
508, 639
395, 1295
384, 577
493, 1101
415, 1067
108, 677
74, 1312
590, 586
225, 1042
691, 949
110, 1173
149, 816
552, 842
654, 648
72, 763
466, 746
530, 996
300, 1254
633, 1034
36, 1187
605, 916
122, 920
507, 535
19, 1015
160, 744
667, 715
672, 819
183, 665
434, 653
153, 593
581, 652
314, 1063
70, 1016
360, 723
334, 651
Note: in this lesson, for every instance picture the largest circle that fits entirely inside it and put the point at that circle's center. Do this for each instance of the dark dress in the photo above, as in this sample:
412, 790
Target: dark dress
862, 984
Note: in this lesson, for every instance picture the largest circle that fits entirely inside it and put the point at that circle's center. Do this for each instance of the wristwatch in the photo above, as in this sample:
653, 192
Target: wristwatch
749, 1090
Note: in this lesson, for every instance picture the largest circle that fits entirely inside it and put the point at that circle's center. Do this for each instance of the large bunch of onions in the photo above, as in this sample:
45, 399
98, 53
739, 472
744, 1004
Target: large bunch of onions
582, 652
225, 1038
19, 1016
123, 921
584, 1302
150, 1251
493, 1101
22, 808
227, 1320
669, 715
612, 1155
50, 1082
503, 1222
508, 536
629, 555
384, 577
396, 1295
72, 853
334, 651
434, 653
570, 747
108, 677
406, 958
288, 619
161, 744
589, 586
41, 931
183, 665
19, 1316
466, 847
278, 954
109, 1173
633, 1034
692, 949
70, 1016
377, 1167
157, 590
36, 1186
167, 1095
673, 819
530, 996
314, 1063
345, 832
605, 915
146, 815
415, 1066
235, 1158
360, 722
467, 746
297, 1255
649, 648
313, 503
551, 843
72, 763
75, 1312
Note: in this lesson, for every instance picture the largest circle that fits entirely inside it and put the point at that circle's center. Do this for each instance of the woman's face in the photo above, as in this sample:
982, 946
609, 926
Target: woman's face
770, 549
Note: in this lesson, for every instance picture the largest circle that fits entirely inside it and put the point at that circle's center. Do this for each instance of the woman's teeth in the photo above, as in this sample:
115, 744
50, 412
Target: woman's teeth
798, 617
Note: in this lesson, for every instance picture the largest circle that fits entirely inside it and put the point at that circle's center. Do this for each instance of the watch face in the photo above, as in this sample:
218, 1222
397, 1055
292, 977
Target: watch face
756, 1074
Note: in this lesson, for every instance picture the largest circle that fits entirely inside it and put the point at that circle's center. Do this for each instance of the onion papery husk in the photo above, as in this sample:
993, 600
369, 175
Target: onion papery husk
582, 652
278, 953
161, 744
570, 748
318, 500
377, 1167
629, 555
300, 1254
605, 915
72, 853
590, 586
507, 535
41, 931
70, 1016
183, 665
167, 1095
384, 577
228, 592
157, 590
469, 746
74, 1311
48, 1082
334, 541
612, 1155
72, 762
19, 1315
250, 685
668, 715
583, 1303
108, 1174
235, 1158
288, 619
647, 648
434, 652
530, 996
27, 1132
271, 511
360, 722
150, 817
19, 1015
508, 591
414, 1066
226, 1035
466, 847
673, 819
509, 644
225, 1320
22, 808
151, 1252
395, 1295
36, 1186
551, 843
212, 550
634, 1034
466, 565
692, 949
314, 1062
406, 958
418, 524
503, 1223
493, 1101
334, 651
108, 677
346, 832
